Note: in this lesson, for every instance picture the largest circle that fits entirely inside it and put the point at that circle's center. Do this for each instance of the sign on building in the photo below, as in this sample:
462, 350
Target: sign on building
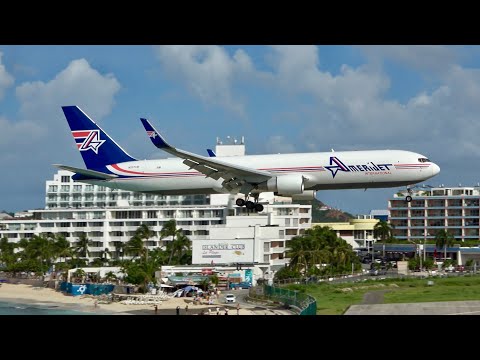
222, 251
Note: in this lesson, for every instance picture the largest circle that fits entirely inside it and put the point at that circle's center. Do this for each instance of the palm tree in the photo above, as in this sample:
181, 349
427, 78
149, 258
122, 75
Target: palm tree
383, 231
41, 248
135, 246
298, 253
443, 239
319, 245
7, 252
145, 233
81, 246
62, 247
170, 229
110, 276
183, 249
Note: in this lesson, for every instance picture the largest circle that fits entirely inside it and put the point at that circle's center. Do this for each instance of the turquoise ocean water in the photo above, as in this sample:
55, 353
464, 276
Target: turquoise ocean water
13, 308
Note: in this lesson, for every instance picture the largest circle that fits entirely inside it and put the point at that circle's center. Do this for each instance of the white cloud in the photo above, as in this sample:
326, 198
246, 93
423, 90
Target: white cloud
208, 71
277, 144
6, 80
40, 136
351, 111
296, 70
423, 57
78, 84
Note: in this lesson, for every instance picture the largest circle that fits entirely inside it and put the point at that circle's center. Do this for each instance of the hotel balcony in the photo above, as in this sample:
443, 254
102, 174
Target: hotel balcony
279, 261
277, 250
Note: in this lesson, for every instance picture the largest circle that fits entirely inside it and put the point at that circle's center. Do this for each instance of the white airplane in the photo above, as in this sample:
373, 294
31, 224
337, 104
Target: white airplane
291, 175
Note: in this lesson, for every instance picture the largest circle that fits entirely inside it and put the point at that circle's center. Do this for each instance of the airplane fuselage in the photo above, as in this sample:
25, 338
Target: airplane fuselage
321, 171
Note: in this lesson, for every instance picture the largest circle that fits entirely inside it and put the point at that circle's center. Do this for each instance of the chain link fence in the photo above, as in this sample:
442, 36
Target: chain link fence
301, 303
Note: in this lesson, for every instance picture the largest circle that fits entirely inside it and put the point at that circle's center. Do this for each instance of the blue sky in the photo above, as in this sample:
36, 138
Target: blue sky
281, 98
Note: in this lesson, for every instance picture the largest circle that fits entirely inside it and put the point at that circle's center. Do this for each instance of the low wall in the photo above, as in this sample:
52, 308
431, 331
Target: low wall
32, 282
82, 289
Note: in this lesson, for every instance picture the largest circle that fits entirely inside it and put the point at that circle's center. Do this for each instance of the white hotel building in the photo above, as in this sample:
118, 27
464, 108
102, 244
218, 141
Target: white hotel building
220, 233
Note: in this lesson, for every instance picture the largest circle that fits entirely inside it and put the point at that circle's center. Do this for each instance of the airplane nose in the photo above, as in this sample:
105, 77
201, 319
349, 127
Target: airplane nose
435, 169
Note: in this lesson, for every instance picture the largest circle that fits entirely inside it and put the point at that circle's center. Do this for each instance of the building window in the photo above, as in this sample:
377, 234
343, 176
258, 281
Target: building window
65, 179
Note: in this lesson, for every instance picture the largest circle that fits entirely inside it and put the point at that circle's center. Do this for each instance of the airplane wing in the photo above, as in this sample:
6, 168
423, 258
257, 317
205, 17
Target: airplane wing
235, 176
88, 173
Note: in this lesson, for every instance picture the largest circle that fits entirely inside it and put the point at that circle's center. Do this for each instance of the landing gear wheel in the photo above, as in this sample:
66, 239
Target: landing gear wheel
258, 207
250, 205
408, 198
240, 202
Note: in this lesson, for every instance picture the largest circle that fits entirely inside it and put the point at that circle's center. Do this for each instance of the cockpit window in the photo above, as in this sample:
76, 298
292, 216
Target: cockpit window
422, 160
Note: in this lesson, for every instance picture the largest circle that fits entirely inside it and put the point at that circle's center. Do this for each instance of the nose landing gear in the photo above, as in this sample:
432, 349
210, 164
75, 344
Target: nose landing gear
408, 198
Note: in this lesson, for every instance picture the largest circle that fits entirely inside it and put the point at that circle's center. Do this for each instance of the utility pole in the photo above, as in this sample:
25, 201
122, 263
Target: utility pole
424, 249
420, 255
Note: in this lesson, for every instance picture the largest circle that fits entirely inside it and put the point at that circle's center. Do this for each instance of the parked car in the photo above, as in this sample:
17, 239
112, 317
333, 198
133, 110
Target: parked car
230, 298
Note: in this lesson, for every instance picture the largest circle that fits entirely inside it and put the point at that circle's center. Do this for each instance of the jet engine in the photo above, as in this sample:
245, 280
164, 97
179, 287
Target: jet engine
286, 185
306, 195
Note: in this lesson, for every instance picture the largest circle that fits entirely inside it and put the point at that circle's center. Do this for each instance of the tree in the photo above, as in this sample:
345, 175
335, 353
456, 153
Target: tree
81, 246
62, 247
318, 251
174, 246
145, 233
443, 238
41, 248
7, 253
110, 276
79, 275
135, 246
383, 231
141, 272
287, 272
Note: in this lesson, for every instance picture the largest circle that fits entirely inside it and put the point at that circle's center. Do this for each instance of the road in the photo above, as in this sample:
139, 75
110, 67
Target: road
241, 295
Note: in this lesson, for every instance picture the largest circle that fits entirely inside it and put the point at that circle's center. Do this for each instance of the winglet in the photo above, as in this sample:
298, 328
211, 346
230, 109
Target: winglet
155, 136
211, 153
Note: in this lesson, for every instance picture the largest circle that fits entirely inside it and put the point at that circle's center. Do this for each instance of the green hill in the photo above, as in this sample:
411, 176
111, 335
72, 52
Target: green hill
323, 213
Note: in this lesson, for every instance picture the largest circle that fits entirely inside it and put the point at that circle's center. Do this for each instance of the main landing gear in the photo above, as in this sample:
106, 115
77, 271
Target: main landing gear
408, 198
250, 205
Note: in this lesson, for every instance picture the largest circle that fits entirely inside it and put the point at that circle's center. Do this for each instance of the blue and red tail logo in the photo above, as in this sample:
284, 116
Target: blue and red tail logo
151, 134
88, 140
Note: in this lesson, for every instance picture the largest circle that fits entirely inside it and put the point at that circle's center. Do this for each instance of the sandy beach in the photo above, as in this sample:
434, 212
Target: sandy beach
44, 296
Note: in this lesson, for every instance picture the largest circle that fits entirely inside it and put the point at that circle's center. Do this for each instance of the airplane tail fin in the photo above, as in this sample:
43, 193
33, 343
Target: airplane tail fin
97, 148
211, 153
